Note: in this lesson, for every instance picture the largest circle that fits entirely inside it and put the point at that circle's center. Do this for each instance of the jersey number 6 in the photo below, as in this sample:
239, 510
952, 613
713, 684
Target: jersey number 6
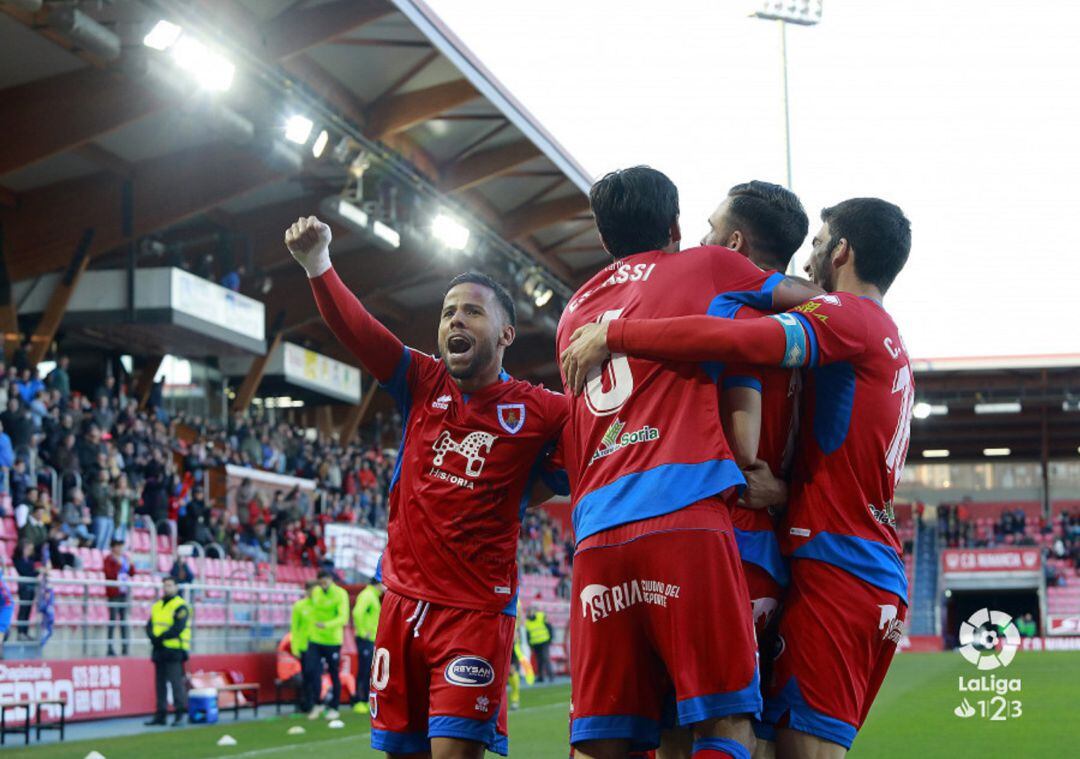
617, 371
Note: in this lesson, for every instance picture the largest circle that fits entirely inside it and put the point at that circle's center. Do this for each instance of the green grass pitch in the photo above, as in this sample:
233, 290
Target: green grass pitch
913, 717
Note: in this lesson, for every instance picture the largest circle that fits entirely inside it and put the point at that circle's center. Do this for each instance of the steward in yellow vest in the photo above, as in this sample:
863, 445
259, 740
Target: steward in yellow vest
169, 630
539, 633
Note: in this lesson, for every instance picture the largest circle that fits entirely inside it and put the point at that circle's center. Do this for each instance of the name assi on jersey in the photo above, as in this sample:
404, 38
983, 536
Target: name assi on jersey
622, 274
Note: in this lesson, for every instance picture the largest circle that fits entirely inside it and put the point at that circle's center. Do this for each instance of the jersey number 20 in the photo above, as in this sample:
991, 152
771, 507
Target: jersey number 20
617, 372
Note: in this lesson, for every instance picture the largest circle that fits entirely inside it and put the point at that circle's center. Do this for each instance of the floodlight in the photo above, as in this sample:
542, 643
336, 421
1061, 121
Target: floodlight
298, 129
801, 12
319, 146
163, 36
936, 453
387, 234
996, 451
1012, 407
922, 410
211, 70
451, 232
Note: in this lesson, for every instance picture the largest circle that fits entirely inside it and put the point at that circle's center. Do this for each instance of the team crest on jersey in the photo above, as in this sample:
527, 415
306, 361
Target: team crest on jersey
511, 417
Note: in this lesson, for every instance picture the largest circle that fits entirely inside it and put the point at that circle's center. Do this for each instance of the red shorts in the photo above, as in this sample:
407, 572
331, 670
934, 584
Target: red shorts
838, 635
660, 615
438, 672
766, 595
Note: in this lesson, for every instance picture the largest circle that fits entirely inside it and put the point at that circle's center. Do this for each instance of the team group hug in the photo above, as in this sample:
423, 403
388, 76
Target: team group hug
730, 439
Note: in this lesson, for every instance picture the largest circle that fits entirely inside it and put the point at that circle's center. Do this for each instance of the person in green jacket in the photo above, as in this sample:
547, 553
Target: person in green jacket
365, 622
299, 631
329, 615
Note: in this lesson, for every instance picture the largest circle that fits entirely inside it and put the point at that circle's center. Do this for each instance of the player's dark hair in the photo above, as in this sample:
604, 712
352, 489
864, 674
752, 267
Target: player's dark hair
879, 233
771, 216
323, 573
635, 209
501, 294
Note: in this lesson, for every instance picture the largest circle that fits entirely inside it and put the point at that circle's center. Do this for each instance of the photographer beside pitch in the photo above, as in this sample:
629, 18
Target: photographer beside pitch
473, 442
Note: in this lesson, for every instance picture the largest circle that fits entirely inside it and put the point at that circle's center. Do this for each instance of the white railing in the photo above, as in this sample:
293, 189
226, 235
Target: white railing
226, 618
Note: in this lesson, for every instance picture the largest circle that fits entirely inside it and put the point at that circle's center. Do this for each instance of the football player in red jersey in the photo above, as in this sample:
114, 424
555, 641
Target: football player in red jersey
845, 608
656, 571
473, 443
758, 405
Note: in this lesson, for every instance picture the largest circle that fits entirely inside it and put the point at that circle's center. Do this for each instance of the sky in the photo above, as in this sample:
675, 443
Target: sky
966, 114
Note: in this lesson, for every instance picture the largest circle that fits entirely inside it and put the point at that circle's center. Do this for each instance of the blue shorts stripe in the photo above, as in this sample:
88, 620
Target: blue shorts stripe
805, 719
743, 701
481, 731
399, 743
642, 732
728, 746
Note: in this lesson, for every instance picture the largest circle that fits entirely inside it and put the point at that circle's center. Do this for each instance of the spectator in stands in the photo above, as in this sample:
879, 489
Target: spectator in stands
7, 456
59, 379
25, 507
194, 522
75, 517
19, 480
181, 574
119, 569
7, 611
35, 531
27, 566
21, 359
1026, 626
232, 278
101, 509
330, 614
365, 624
169, 632
155, 497
255, 543
123, 506
540, 633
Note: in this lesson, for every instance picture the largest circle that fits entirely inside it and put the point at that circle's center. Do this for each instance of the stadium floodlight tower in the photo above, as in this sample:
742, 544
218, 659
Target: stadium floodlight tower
784, 12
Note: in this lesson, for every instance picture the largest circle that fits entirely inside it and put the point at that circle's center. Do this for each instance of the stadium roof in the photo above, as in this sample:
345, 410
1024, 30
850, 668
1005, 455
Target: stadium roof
1012, 408
93, 120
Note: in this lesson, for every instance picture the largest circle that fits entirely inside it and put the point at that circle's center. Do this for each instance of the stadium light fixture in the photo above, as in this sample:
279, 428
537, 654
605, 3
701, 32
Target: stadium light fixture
298, 129
451, 232
996, 451
213, 71
319, 146
85, 32
533, 283
163, 36
387, 234
936, 453
922, 410
1011, 407
801, 12
351, 214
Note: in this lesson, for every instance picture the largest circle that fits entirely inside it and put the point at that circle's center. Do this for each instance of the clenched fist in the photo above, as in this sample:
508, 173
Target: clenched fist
309, 242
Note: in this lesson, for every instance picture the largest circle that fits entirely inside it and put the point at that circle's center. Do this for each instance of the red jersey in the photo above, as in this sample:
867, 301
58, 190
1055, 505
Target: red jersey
645, 438
854, 435
755, 529
464, 470
853, 440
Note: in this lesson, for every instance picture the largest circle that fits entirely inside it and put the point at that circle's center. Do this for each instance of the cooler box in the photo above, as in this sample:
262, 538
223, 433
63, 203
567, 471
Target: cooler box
203, 706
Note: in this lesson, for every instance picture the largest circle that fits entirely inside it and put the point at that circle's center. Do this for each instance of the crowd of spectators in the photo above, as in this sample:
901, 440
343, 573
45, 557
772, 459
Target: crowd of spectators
1059, 538
115, 461
543, 549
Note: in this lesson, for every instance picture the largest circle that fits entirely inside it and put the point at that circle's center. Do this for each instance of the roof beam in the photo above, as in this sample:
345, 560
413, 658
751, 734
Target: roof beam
533, 218
166, 190
297, 30
105, 159
49, 116
398, 113
488, 164
409, 75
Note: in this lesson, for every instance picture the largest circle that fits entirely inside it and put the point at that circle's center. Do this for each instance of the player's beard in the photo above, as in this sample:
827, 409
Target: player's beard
483, 353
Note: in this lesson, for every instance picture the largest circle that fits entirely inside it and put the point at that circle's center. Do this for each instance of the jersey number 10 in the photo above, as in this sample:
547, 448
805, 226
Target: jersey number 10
898, 446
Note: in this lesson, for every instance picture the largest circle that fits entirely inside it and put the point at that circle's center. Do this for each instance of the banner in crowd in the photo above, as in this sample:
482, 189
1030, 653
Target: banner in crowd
1063, 624
1050, 644
965, 560
124, 687
352, 547
317, 372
